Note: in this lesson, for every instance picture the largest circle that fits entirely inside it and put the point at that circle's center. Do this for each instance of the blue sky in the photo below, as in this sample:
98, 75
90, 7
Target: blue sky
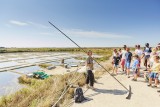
90, 23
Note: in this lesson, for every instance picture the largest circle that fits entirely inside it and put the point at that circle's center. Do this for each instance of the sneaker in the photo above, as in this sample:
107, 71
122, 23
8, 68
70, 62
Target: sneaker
158, 91
154, 86
92, 87
134, 79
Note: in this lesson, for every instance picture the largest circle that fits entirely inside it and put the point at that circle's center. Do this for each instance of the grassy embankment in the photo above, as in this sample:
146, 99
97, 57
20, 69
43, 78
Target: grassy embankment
44, 93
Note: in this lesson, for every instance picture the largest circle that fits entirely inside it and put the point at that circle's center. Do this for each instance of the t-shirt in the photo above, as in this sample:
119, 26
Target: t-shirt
156, 67
138, 52
89, 63
128, 56
152, 57
123, 54
116, 60
147, 51
158, 52
135, 63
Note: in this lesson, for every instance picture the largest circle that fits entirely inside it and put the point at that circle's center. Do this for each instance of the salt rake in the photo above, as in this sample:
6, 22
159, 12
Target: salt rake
128, 90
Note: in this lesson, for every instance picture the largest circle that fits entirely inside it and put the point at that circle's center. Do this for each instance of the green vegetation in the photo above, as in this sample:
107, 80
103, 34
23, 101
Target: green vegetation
44, 65
9, 50
44, 93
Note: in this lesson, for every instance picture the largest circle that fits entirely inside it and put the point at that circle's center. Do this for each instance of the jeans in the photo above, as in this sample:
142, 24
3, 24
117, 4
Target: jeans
90, 78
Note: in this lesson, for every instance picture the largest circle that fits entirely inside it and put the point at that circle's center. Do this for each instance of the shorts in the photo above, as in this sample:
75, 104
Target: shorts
116, 66
135, 70
127, 65
153, 75
147, 57
123, 62
159, 77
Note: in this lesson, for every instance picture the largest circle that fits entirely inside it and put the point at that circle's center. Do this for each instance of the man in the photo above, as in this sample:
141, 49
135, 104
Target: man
89, 67
123, 57
146, 55
128, 58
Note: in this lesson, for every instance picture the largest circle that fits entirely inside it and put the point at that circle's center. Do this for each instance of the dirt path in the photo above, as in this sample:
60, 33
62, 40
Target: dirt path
110, 94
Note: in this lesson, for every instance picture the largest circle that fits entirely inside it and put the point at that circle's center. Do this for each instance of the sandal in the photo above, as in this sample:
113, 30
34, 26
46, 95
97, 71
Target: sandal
149, 85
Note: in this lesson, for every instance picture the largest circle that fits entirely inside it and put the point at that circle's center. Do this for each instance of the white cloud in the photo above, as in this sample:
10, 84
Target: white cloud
18, 23
38, 25
95, 34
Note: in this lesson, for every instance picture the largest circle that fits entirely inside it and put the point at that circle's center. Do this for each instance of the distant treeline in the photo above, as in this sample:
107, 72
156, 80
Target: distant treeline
11, 50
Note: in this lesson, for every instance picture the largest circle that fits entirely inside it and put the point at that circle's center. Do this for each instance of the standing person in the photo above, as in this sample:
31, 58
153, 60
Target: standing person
154, 72
139, 52
146, 55
158, 49
114, 55
153, 54
128, 58
120, 53
89, 67
116, 63
135, 67
123, 57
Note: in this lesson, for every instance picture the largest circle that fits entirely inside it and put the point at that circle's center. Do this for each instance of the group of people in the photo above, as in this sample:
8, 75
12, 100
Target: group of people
127, 60
131, 60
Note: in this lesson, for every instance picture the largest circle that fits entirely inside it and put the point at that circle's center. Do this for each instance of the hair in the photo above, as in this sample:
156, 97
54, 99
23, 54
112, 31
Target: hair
138, 46
120, 49
128, 49
117, 53
89, 52
125, 46
154, 49
136, 56
157, 57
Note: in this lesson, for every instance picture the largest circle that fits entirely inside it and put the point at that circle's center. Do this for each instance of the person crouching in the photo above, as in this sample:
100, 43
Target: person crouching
154, 72
89, 67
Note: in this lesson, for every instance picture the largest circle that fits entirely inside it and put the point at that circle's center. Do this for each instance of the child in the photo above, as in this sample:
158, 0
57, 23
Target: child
139, 52
128, 58
135, 67
116, 63
154, 71
159, 80
89, 66
123, 57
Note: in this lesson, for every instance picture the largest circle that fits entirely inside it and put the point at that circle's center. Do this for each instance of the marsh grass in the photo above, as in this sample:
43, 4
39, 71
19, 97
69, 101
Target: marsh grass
44, 93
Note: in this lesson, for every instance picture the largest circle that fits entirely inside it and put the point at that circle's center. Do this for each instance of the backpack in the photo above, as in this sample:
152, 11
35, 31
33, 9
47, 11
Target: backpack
78, 95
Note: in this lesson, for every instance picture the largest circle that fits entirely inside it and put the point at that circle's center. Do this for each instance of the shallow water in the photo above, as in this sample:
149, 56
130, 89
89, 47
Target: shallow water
9, 80
9, 83
8, 64
27, 70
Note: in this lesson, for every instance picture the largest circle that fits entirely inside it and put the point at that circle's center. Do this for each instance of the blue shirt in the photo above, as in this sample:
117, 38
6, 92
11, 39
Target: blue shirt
128, 56
135, 63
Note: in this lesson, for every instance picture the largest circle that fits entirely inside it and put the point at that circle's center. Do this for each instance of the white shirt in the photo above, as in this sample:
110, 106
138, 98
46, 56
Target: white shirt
139, 52
123, 54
